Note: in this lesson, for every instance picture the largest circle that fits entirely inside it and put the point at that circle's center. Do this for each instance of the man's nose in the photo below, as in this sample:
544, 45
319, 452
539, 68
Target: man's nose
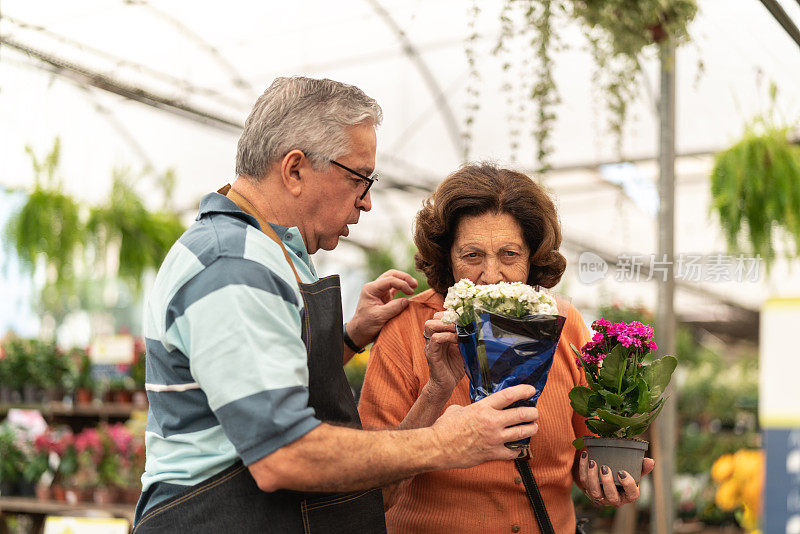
364, 204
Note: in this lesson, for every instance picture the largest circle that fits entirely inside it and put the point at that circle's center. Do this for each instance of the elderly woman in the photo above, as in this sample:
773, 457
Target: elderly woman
488, 225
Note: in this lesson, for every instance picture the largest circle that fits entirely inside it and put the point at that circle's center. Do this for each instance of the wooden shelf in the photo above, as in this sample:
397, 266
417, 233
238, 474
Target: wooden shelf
62, 409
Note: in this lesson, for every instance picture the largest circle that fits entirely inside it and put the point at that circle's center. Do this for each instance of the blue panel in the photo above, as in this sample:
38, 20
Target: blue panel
782, 487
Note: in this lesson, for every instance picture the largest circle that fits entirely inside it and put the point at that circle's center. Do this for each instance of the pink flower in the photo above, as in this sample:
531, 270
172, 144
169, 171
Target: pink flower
601, 325
89, 440
120, 437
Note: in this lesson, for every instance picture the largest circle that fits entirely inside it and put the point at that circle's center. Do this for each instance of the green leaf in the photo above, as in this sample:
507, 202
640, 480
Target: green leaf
602, 428
644, 401
579, 400
635, 430
630, 386
658, 374
613, 366
592, 383
578, 443
596, 401
621, 420
612, 398
576, 351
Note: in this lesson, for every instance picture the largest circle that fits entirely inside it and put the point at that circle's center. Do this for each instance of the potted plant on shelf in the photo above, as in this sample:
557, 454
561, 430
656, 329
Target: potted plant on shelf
18, 369
139, 397
42, 370
91, 452
63, 444
624, 395
83, 383
38, 470
5, 376
132, 470
11, 461
121, 389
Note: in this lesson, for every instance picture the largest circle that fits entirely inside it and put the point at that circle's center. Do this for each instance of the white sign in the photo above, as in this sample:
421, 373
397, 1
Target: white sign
112, 350
779, 396
85, 525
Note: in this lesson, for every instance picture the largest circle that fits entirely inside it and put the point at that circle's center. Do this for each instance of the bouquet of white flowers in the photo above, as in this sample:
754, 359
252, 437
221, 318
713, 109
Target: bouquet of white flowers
507, 334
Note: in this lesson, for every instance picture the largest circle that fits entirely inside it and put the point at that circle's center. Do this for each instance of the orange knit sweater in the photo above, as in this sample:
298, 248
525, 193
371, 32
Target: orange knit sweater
489, 497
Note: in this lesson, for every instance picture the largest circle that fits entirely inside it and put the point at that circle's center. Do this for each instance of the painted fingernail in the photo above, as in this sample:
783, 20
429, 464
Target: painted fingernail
591, 464
584, 454
621, 474
604, 470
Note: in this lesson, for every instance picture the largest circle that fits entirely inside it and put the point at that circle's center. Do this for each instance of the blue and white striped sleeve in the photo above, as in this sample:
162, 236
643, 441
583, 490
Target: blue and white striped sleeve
240, 324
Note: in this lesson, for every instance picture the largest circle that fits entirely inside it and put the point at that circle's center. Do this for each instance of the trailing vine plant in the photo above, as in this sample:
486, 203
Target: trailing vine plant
618, 31
544, 94
755, 188
474, 78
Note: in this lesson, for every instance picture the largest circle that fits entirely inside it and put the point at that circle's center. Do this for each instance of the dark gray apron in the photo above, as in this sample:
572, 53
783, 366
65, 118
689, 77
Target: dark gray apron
231, 502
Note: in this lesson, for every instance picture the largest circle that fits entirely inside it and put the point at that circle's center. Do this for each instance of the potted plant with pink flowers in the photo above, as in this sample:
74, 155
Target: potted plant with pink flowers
624, 396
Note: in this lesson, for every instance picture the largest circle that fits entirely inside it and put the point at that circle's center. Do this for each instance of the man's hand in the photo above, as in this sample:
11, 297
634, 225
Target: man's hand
445, 364
376, 305
598, 482
473, 434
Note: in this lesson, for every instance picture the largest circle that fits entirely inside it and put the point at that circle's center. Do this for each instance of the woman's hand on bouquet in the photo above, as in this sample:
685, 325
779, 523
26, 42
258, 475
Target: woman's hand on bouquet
445, 365
597, 481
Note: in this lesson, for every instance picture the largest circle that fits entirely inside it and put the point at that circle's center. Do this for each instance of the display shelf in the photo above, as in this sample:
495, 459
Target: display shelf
102, 410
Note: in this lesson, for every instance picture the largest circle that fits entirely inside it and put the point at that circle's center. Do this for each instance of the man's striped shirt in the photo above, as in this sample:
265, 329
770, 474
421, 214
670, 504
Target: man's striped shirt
227, 376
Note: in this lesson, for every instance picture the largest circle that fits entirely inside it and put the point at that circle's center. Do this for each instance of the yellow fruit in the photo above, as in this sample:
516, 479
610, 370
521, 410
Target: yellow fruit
749, 519
727, 497
722, 468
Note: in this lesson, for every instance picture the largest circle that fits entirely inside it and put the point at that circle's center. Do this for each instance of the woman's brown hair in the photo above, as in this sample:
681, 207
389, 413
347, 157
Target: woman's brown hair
484, 188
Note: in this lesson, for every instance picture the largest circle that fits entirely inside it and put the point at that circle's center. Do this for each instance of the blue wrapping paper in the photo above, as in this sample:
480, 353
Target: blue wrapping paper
501, 352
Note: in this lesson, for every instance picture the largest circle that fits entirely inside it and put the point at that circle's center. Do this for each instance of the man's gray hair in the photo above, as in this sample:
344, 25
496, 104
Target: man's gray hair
302, 113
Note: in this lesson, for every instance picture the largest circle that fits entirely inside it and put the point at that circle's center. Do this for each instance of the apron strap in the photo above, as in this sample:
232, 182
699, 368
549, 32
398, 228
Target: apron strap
248, 208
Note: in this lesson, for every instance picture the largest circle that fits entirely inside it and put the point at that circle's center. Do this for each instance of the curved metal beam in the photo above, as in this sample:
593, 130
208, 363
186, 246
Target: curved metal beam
238, 80
86, 76
450, 121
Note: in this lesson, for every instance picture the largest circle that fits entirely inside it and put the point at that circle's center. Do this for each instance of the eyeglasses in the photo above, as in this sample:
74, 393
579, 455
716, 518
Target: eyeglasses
367, 180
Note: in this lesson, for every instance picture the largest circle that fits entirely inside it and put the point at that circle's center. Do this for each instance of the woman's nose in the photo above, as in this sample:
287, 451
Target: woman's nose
491, 273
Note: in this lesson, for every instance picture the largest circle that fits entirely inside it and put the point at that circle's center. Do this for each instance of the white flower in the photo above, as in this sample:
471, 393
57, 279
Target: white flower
513, 299
450, 316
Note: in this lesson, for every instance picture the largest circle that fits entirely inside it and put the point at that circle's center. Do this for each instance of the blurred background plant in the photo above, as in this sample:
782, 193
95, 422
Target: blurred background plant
740, 479
755, 187
92, 257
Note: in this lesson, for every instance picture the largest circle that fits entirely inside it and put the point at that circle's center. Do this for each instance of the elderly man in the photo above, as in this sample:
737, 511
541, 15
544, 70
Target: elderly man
252, 426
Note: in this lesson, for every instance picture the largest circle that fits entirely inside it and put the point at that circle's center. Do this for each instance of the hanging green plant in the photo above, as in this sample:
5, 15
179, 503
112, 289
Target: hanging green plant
48, 227
618, 31
142, 237
51, 229
755, 189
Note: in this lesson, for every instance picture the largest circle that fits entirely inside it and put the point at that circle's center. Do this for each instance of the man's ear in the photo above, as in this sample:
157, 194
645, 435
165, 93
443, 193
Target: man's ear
294, 166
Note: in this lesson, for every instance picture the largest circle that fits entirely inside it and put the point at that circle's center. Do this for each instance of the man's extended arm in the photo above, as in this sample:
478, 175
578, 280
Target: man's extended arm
331, 458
